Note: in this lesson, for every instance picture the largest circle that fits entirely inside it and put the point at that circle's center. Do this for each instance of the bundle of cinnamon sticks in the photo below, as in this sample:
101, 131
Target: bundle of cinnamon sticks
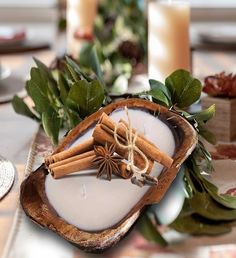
81, 156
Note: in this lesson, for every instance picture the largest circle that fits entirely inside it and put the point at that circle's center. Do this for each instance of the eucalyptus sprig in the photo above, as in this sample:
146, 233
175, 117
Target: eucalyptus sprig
62, 101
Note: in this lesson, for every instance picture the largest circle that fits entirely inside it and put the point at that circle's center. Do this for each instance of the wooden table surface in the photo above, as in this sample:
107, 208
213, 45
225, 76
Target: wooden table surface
15, 130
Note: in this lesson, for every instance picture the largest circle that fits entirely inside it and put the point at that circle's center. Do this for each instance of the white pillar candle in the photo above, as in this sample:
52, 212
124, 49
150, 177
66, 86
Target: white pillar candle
94, 204
80, 15
168, 38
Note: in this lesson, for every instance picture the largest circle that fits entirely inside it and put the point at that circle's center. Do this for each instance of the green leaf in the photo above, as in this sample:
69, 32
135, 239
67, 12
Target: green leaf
51, 124
159, 97
204, 205
41, 102
150, 232
204, 115
74, 119
63, 87
73, 74
38, 81
21, 108
96, 66
156, 85
196, 225
43, 68
88, 57
77, 69
120, 85
88, 96
224, 199
184, 89
85, 53
207, 135
46, 75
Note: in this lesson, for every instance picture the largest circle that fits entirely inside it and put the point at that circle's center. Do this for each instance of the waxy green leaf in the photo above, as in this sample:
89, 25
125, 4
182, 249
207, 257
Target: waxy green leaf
149, 231
88, 96
184, 89
197, 225
204, 115
204, 205
63, 87
39, 98
21, 108
51, 124
224, 199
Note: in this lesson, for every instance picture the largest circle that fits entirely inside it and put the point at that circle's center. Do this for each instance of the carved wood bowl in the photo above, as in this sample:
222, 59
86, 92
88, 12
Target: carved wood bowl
36, 204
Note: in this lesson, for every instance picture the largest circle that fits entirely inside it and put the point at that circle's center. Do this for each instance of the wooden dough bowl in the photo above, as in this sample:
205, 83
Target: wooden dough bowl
37, 207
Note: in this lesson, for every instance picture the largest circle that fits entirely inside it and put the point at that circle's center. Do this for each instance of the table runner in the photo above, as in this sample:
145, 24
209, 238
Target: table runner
27, 240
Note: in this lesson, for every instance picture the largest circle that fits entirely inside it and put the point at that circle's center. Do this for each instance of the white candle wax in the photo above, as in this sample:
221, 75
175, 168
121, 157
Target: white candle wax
94, 204
80, 15
168, 38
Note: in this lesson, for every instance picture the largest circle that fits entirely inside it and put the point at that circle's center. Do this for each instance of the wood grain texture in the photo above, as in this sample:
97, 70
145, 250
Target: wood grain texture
36, 205
223, 124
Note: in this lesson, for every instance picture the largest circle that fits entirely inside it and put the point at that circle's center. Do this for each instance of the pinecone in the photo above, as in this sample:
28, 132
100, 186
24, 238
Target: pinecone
131, 51
221, 84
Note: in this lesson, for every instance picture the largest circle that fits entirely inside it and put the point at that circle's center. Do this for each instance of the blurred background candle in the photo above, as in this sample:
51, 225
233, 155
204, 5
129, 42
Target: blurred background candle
168, 38
80, 19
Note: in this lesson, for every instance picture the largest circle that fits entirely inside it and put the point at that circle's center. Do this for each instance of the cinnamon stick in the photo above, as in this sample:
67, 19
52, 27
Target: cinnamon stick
83, 163
102, 136
78, 149
71, 159
106, 124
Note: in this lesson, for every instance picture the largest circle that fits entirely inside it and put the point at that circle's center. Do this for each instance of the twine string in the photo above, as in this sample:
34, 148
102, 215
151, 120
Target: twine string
131, 147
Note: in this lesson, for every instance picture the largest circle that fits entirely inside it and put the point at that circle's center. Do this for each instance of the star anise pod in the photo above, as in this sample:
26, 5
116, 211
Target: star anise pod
106, 160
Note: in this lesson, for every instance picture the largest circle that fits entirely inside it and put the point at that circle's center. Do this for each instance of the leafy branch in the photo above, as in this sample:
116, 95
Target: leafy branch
205, 210
62, 101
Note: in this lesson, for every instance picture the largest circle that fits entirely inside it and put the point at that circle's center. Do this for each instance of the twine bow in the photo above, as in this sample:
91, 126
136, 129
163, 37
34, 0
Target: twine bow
131, 147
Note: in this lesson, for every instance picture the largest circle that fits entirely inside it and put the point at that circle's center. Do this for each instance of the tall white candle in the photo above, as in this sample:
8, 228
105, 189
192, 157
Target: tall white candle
80, 15
168, 38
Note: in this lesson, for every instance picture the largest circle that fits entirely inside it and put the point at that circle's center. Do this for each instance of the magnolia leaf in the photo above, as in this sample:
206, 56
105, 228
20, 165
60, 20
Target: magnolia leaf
51, 124
21, 108
149, 231
184, 89
88, 96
